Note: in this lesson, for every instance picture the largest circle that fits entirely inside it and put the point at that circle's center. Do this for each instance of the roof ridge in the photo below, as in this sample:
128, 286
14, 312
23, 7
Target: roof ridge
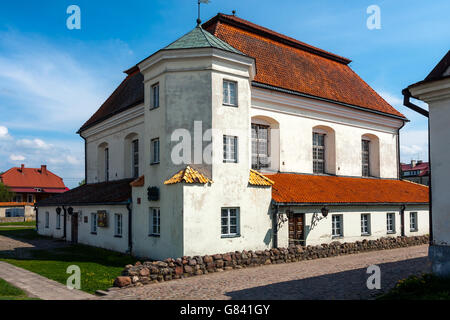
279, 37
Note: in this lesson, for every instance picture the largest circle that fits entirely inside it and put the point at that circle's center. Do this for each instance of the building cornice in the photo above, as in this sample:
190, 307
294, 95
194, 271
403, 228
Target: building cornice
431, 91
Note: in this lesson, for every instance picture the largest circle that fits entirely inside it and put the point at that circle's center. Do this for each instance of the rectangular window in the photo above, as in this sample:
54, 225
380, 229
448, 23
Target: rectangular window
318, 153
18, 198
58, 220
336, 225
230, 149
260, 146
155, 96
230, 222
135, 157
155, 151
365, 158
118, 225
229, 93
94, 223
106, 164
47, 220
413, 221
30, 198
365, 224
390, 223
154, 222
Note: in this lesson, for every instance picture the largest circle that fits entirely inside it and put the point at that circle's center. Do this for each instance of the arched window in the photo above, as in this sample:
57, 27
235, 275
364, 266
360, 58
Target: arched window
265, 143
131, 155
103, 162
324, 150
370, 155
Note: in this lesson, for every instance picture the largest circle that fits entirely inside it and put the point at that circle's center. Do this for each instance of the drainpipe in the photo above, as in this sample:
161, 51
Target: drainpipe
85, 158
406, 102
275, 225
37, 217
64, 224
130, 229
399, 167
402, 220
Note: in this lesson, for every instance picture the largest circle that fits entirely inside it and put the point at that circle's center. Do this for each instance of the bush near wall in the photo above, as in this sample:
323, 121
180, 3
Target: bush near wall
169, 269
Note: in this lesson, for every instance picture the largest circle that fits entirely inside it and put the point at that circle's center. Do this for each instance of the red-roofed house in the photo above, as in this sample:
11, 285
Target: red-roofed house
237, 137
416, 171
29, 185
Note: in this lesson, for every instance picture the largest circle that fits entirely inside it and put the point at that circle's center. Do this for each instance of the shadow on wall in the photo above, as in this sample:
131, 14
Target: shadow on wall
344, 285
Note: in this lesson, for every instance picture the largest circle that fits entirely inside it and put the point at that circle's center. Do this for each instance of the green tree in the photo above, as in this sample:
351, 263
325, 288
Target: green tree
5, 193
82, 182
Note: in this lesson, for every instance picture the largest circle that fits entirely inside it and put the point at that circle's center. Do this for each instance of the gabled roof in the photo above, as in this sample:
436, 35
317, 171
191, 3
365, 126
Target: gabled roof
439, 72
111, 192
199, 38
29, 178
316, 189
285, 63
188, 175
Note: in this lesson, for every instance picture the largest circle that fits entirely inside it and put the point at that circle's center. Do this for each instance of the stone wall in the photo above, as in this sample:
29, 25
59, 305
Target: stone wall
169, 269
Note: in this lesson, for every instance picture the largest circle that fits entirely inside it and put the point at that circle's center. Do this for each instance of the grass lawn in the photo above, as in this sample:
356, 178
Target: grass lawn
25, 233
99, 267
27, 223
9, 292
425, 287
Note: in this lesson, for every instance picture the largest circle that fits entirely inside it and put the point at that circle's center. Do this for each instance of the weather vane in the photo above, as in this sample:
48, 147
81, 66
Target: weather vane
199, 2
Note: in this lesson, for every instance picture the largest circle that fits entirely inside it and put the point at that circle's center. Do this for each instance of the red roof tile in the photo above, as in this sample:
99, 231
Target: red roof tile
31, 178
287, 63
315, 189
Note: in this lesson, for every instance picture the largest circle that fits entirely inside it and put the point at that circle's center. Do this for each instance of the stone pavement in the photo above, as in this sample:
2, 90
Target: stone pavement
37, 286
342, 277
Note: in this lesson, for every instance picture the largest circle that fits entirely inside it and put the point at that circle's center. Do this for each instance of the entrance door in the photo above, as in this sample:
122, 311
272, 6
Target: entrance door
75, 227
296, 229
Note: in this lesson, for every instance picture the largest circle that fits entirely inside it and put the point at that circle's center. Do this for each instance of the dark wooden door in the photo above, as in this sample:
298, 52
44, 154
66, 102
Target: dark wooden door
75, 227
296, 229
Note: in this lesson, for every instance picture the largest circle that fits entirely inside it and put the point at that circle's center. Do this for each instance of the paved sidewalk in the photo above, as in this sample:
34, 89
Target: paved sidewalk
38, 286
342, 277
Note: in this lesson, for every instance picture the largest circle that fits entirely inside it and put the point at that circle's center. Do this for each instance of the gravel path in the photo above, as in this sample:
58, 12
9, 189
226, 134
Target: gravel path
342, 277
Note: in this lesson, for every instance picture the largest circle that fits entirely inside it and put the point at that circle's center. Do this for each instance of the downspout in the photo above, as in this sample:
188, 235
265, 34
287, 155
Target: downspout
85, 158
130, 229
406, 101
275, 225
37, 217
399, 167
65, 222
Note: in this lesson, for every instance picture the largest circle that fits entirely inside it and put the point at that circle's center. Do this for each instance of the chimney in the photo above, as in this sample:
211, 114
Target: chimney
22, 166
43, 169
413, 163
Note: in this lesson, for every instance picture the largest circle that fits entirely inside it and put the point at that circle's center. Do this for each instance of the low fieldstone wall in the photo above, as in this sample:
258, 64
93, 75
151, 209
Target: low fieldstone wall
169, 269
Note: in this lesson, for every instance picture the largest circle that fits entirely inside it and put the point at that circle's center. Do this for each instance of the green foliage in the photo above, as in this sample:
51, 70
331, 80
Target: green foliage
82, 182
9, 292
6, 194
424, 287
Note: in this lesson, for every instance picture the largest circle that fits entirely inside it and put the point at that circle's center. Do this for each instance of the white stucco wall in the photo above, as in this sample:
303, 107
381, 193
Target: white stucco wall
105, 237
298, 116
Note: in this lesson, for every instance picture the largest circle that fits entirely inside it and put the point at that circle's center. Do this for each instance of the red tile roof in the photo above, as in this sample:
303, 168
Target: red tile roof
289, 64
423, 167
17, 178
315, 189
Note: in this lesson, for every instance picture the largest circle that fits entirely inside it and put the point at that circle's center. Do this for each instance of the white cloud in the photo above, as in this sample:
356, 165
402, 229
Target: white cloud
33, 144
4, 133
414, 145
15, 157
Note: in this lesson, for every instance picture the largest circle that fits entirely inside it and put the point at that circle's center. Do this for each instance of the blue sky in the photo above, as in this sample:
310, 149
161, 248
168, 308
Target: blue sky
52, 79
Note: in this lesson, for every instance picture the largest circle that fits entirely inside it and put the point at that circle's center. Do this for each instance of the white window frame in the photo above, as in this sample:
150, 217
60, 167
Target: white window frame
155, 151
58, 220
154, 219
316, 148
334, 227
94, 226
28, 198
230, 149
47, 219
365, 166
260, 156
155, 96
225, 222
413, 226
106, 164
365, 224
227, 88
118, 225
390, 222
135, 158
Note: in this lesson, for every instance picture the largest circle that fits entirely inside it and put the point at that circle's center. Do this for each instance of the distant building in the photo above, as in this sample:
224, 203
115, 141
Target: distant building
29, 185
417, 171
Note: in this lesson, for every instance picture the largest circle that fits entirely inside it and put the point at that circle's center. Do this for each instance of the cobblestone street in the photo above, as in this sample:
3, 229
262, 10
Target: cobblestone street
342, 277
